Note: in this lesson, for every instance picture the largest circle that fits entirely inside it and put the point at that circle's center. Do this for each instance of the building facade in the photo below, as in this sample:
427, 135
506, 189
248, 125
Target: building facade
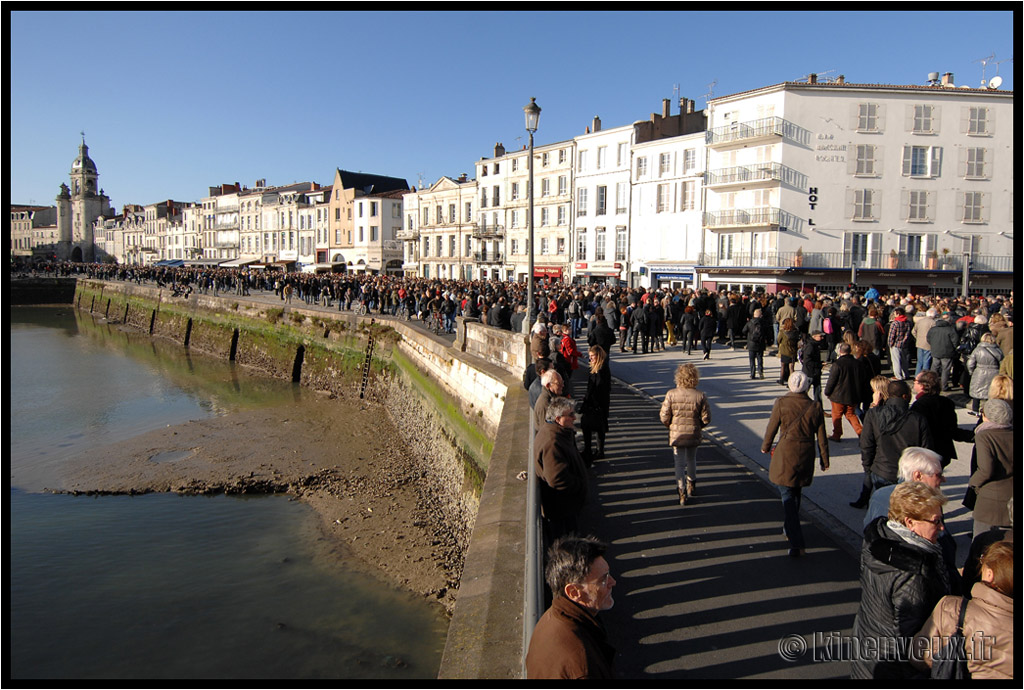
78, 207
825, 185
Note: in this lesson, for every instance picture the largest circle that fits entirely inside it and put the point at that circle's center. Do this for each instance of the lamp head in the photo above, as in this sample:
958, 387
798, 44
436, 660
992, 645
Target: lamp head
532, 112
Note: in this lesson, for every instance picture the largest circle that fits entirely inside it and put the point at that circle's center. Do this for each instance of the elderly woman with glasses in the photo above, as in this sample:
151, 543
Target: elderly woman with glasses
800, 423
902, 577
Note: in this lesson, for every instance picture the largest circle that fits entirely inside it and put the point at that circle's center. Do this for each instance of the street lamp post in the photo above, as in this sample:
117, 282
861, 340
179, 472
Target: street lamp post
532, 112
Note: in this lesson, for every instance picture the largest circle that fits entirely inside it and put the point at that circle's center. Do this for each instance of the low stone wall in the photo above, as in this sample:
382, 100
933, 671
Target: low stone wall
465, 411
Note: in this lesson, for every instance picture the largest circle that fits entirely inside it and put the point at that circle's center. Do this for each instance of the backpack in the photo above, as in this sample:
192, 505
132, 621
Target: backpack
950, 663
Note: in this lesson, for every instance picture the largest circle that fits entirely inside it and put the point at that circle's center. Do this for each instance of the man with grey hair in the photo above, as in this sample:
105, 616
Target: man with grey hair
569, 641
551, 380
560, 469
916, 464
919, 464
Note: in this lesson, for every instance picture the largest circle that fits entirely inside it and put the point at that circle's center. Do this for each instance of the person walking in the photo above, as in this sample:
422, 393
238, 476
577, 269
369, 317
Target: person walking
707, 326
754, 331
685, 411
800, 423
898, 337
943, 340
983, 366
844, 392
788, 335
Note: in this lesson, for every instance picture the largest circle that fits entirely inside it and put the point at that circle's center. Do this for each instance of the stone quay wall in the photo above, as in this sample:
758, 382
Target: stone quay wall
463, 406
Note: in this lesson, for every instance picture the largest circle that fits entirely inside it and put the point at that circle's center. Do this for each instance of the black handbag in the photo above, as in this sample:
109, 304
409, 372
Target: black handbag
951, 661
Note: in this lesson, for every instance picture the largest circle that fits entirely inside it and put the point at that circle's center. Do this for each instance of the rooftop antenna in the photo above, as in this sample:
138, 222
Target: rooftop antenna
984, 63
710, 94
999, 62
817, 74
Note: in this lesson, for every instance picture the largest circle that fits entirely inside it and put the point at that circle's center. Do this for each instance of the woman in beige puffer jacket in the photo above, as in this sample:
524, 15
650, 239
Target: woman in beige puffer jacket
685, 412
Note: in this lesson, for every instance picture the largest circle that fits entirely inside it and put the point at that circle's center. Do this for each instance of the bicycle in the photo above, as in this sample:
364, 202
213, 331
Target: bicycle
363, 309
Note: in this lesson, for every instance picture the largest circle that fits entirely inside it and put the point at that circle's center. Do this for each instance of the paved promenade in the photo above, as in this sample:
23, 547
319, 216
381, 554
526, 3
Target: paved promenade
708, 590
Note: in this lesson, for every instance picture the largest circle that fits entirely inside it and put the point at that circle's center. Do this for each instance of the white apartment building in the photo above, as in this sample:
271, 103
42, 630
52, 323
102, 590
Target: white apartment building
439, 238
601, 224
552, 210
824, 184
666, 219
491, 252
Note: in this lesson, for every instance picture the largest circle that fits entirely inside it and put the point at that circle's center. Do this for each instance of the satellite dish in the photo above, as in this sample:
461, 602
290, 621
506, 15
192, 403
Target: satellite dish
995, 82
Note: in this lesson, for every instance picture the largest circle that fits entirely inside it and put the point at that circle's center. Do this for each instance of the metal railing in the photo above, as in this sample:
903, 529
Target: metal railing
744, 173
742, 217
754, 129
870, 260
533, 599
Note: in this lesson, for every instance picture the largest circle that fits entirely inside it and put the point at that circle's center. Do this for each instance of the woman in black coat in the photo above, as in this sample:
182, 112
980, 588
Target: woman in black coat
707, 326
902, 578
688, 327
596, 403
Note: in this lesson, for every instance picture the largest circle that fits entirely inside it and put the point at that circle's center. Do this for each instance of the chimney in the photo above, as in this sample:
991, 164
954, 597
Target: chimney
812, 79
597, 124
666, 107
947, 79
499, 150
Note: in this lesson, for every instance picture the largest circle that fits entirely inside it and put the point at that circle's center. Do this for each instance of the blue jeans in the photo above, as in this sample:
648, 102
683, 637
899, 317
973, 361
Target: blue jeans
791, 497
924, 360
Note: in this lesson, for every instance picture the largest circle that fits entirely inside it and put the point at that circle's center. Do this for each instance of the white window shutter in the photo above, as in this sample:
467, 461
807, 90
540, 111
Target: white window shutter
961, 166
854, 116
931, 240
936, 118
987, 167
851, 202
932, 196
904, 208
880, 121
936, 161
907, 151
909, 119
965, 119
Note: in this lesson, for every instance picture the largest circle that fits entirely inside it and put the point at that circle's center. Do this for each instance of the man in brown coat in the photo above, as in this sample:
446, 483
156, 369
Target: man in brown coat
802, 425
560, 467
569, 641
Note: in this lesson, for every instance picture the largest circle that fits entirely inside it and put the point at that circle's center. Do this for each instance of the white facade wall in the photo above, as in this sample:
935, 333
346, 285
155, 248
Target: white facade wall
666, 219
880, 177
602, 203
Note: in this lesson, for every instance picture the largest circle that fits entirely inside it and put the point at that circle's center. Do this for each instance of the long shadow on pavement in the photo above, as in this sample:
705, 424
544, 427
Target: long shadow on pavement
708, 590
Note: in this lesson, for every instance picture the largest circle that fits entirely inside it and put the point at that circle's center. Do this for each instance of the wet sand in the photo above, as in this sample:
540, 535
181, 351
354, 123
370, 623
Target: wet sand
343, 458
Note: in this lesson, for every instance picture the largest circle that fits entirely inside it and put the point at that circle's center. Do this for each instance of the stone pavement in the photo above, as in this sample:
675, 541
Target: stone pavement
708, 590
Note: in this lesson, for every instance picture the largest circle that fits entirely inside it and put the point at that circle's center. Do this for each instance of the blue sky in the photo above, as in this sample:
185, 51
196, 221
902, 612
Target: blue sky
172, 103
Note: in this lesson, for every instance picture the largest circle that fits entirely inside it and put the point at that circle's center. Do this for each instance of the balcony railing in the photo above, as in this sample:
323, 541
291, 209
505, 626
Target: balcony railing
871, 260
762, 172
489, 231
488, 257
745, 131
744, 217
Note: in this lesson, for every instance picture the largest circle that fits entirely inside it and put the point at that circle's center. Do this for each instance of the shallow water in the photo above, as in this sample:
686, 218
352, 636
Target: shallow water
165, 586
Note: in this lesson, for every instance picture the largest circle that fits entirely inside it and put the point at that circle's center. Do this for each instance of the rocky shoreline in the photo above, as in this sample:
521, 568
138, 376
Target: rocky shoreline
377, 496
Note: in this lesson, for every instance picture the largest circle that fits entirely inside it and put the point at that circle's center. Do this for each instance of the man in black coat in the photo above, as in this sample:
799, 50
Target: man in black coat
940, 412
601, 334
810, 359
844, 392
943, 340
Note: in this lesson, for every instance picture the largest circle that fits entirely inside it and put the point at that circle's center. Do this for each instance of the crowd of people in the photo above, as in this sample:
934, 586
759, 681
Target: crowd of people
912, 591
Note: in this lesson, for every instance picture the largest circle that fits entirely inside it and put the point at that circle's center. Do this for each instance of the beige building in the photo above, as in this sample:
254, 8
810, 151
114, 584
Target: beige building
78, 206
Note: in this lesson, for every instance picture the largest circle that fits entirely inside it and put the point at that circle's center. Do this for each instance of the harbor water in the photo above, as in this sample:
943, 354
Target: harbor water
168, 586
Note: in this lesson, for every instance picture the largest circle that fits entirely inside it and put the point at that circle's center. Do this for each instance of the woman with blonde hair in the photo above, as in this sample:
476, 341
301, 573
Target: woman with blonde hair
902, 577
879, 392
596, 403
685, 412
